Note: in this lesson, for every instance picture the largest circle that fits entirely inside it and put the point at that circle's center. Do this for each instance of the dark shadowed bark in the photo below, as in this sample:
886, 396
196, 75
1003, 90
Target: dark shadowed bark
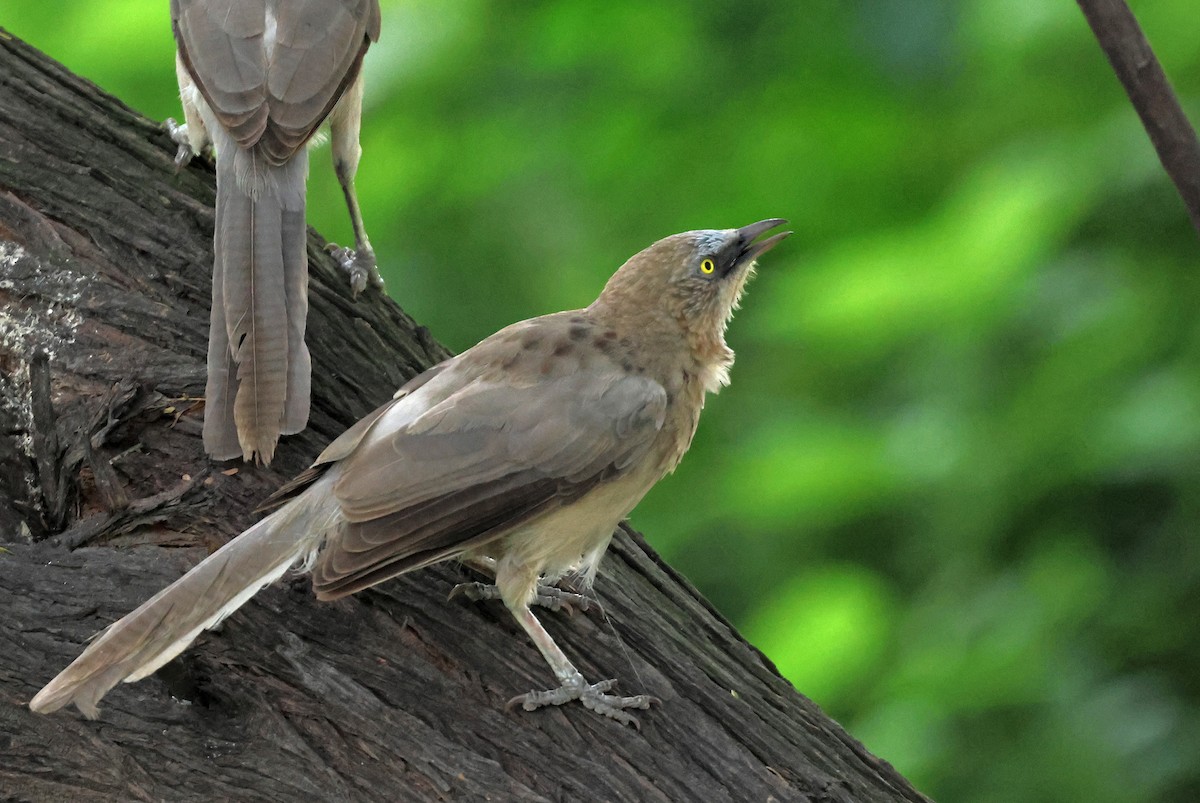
395, 694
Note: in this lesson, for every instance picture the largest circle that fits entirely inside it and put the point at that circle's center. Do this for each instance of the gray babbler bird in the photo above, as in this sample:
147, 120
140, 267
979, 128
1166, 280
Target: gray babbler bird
257, 78
520, 456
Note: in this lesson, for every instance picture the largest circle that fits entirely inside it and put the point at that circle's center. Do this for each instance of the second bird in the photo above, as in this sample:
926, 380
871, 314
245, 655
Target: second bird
257, 78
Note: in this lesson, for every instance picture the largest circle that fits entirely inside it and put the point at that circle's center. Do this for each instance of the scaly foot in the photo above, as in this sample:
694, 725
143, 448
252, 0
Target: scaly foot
594, 696
360, 265
549, 597
179, 136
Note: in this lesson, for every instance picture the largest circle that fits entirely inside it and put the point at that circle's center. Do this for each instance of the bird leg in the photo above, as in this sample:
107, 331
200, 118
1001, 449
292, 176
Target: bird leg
179, 135
358, 262
573, 685
546, 595
594, 696
344, 123
192, 137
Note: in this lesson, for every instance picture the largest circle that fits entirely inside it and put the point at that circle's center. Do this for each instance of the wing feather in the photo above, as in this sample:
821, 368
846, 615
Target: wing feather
272, 85
488, 457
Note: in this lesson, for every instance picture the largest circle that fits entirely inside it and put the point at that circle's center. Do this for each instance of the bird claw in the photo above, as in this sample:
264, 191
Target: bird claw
593, 696
179, 136
554, 599
557, 599
476, 592
359, 264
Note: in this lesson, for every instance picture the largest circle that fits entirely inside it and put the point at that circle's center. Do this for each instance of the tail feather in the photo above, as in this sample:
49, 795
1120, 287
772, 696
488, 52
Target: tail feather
255, 314
220, 432
141, 642
260, 274
299, 363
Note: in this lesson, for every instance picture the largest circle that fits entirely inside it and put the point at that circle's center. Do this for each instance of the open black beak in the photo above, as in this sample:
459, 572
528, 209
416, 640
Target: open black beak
753, 250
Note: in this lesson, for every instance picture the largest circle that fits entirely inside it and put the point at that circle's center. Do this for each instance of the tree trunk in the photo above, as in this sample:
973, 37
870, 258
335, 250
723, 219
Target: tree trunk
394, 694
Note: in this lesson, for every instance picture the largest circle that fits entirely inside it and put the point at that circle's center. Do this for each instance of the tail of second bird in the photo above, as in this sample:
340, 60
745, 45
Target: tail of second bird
259, 370
141, 642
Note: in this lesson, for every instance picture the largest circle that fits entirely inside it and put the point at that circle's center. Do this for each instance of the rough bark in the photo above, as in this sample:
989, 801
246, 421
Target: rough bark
1150, 92
395, 694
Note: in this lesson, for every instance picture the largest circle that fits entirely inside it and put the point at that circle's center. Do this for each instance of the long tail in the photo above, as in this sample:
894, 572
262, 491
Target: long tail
138, 644
259, 370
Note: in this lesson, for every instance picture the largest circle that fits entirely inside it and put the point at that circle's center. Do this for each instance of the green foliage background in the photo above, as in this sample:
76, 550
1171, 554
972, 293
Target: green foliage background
952, 491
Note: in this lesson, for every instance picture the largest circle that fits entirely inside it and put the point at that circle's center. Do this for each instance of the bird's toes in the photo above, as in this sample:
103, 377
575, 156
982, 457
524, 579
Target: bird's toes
594, 697
558, 600
359, 265
179, 136
476, 592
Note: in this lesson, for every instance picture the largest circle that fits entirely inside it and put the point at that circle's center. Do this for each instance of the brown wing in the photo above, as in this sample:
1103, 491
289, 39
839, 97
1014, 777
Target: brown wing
490, 457
272, 78
345, 444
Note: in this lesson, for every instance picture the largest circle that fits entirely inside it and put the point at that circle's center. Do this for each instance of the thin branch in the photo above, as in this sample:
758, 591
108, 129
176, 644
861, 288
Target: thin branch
1148, 89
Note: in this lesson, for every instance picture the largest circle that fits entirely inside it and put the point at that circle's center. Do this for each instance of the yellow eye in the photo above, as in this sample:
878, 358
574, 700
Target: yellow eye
707, 266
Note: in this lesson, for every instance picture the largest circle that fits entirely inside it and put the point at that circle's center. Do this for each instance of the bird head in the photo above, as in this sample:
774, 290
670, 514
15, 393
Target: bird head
694, 279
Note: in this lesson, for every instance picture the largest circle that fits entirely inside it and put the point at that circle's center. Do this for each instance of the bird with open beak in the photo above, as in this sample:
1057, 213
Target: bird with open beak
519, 456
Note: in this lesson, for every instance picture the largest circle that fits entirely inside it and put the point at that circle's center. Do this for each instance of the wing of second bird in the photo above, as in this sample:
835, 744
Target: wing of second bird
273, 79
